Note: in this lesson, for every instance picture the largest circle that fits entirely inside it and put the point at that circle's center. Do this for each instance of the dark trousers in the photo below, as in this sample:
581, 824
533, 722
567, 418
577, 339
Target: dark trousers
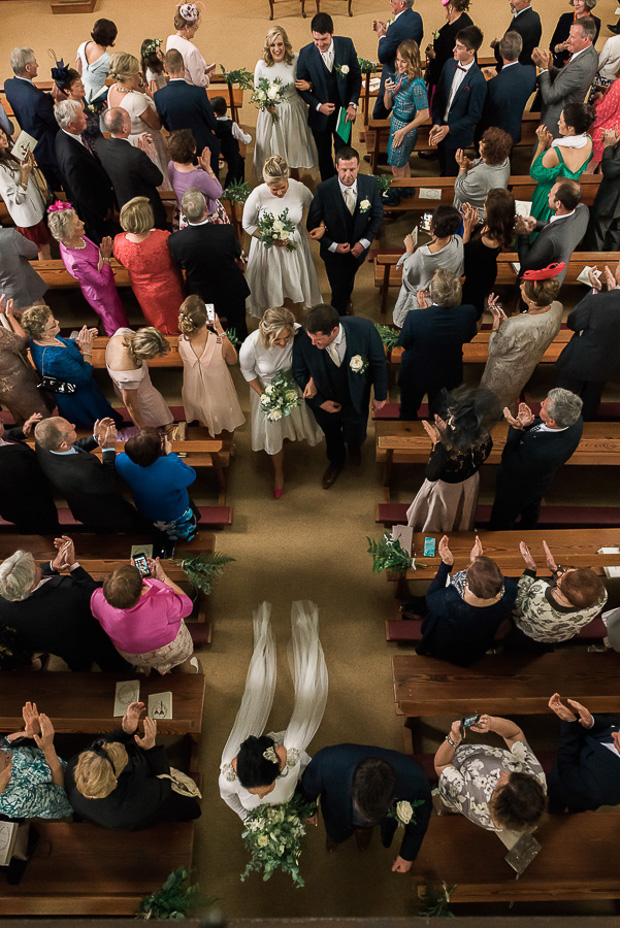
602, 234
323, 139
411, 396
507, 508
234, 313
341, 271
590, 392
447, 160
340, 428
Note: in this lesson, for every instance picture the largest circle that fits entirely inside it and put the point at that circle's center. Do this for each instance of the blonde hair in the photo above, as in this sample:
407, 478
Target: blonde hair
95, 777
273, 322
60, 222
192, 315
34, 319
275, 169
123, 67
409, 51
288, 48
146, 343
137, 216
17, 575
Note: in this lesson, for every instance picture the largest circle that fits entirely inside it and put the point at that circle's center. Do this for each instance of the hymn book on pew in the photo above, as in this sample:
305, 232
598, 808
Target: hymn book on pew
126, 692
160, 706
8, 837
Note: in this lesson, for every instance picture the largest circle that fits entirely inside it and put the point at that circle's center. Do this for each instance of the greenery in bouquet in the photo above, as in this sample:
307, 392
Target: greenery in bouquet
276, 229
388, 554
366, 65
268, 93
240, 76
273, 836
177, 898
237, 192
389, 336
233, 338
281, 396
203, 568
435, 899
383, 181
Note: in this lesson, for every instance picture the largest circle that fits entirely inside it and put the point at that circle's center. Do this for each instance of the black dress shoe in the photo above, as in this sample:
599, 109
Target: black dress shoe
330, 476
355, 455
330, 846
362, 837
614, 29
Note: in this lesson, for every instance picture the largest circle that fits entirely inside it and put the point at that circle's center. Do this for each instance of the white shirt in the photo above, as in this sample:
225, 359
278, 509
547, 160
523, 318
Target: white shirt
576, 54
509, 64
328, 57
237, 133
563, 216
524, 10
457, 80
78, 138
543, 427
353, 187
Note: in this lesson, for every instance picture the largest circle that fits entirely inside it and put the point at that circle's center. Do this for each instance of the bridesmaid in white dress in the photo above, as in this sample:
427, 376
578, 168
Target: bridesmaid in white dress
259, 769
267, 351
288, 135
275, 275
209, 393
125, 360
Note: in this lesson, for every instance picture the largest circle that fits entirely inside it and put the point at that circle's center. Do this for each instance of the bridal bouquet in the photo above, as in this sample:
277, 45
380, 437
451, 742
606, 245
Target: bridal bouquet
268, 93
276, 229
281, 396
273, 837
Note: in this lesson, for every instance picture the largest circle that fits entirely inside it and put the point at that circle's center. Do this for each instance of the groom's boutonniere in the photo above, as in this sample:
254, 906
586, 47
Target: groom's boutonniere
358, 364
342, 69
404, 812
365, 206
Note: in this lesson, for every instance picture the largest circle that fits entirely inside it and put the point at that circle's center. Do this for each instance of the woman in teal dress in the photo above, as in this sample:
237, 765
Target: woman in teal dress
406, 96
567, 156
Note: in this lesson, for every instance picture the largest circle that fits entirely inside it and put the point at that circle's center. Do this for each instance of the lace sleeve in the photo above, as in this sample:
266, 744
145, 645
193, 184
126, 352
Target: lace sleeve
310, 675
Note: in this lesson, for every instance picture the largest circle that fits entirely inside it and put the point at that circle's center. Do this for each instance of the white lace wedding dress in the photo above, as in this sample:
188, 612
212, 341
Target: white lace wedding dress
310, 678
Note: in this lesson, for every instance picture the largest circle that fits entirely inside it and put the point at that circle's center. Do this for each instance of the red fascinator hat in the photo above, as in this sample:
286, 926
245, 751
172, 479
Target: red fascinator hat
545, 273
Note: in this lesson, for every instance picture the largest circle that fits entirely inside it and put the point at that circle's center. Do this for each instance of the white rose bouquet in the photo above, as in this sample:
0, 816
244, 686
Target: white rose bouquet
268, 93
281, 396
276, 229
273, 837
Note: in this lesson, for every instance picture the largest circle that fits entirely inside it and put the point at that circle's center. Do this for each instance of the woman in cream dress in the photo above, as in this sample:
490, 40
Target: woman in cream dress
125, 359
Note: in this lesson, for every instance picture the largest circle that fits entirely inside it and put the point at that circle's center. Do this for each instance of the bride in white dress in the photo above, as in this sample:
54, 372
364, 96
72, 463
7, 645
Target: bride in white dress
276, 275
288, 135
265, 769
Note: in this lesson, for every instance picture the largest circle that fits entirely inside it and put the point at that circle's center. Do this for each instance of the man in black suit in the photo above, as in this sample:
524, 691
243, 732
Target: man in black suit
509, 91
185, 106
344, 358
26, 497
603, 233
330, 64
458, 101
345, 214
526, 22
130, 169
406, 24
34, 111
88, 485
361, 787
51, 611
535, 450
587, 769
559, 237
591, 357
209, 255
86, 184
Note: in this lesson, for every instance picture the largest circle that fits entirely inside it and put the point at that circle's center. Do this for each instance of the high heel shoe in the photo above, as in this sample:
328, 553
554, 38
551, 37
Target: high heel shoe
277, 492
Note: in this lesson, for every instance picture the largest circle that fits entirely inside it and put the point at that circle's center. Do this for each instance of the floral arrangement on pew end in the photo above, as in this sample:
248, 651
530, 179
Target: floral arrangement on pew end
366, 66
233, 338
383, 181
436, 899
280, 398
389, 336
276, 229
388, 554
203, 568
177, 898
237, 192
273, 837
268, 93
241, 76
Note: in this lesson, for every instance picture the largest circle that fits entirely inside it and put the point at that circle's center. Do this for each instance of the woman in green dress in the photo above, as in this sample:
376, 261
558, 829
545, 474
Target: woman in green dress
567, 156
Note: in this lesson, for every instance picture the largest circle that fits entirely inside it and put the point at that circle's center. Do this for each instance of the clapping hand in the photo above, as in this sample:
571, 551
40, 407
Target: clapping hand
104, 431
27, 426
610, 278
610, 136
544, 136
45, 740
462, 160
132, 717
147, 741
444, 551
526, 554
422, 298
7, 310
562, 711
30, 715
5, 775
85, 339
65, 556
471, 217
496, 310
594, 276
551, 564
585, 716
524, 225
432, 431
477, 549
524, 416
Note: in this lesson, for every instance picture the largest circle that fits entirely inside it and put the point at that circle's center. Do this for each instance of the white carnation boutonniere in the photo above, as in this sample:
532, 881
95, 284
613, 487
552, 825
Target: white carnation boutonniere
358, 364
365, 206
342, 69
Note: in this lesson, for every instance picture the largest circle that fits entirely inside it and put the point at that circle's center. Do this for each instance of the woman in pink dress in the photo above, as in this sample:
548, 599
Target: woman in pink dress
126, 357
209, 393
155, 278
607, 117
88, 264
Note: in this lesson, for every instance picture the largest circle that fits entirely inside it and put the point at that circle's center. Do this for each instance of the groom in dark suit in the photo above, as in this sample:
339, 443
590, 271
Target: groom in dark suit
361, 787
345, 214
335, 362
330, 65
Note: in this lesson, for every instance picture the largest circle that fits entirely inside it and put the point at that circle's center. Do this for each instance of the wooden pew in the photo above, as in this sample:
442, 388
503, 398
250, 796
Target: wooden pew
505, 684
85, 870
172, 359
550, 516
409, 631
57, 277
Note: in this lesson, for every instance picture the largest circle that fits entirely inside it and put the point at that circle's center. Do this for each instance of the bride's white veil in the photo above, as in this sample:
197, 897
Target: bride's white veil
309, 671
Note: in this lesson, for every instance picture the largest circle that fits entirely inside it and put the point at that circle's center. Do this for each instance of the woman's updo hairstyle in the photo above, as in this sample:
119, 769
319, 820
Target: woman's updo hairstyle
542, 292
123, 66
274, 321
253, 769
97, 772
579, 116
146, 343
60, 223
192, 315
275, 169
35, 319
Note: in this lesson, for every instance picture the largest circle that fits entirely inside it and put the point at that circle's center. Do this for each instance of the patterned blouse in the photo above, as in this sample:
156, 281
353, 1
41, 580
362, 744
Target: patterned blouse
540, 617
467, 785
30, 792
409, 98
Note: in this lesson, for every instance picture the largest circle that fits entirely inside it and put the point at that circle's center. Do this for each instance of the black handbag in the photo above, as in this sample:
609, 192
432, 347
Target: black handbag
55, 384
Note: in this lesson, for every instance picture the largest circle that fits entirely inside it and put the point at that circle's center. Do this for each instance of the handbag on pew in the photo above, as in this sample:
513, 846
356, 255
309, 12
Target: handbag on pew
54, 384
181, 783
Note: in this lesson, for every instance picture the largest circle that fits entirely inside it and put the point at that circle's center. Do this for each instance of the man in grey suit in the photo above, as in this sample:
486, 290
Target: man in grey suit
570, 83
559, 237
604, 228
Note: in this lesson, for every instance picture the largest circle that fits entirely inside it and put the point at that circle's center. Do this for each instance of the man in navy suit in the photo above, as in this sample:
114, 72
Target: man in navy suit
587, 769
184, 106
509, 91
458, 101
361, 787
526, 22
330, 64
335, 362
406, 24
345, 214
34, 111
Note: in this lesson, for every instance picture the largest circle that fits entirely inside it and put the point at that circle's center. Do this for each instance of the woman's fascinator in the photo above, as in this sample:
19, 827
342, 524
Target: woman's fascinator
545, 273
190, 11
60, 73
58, 206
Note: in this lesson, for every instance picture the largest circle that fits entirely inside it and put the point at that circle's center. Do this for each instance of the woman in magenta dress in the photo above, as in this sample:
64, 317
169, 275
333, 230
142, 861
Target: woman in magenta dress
155, 278
88, 264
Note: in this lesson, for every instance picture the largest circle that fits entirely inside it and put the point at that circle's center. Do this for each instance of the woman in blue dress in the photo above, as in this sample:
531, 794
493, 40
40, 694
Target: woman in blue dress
406, 96
68, 361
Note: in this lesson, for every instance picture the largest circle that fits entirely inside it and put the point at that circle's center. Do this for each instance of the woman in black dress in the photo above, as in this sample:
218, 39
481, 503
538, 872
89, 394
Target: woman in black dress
582, 9
442, 48
483, 243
